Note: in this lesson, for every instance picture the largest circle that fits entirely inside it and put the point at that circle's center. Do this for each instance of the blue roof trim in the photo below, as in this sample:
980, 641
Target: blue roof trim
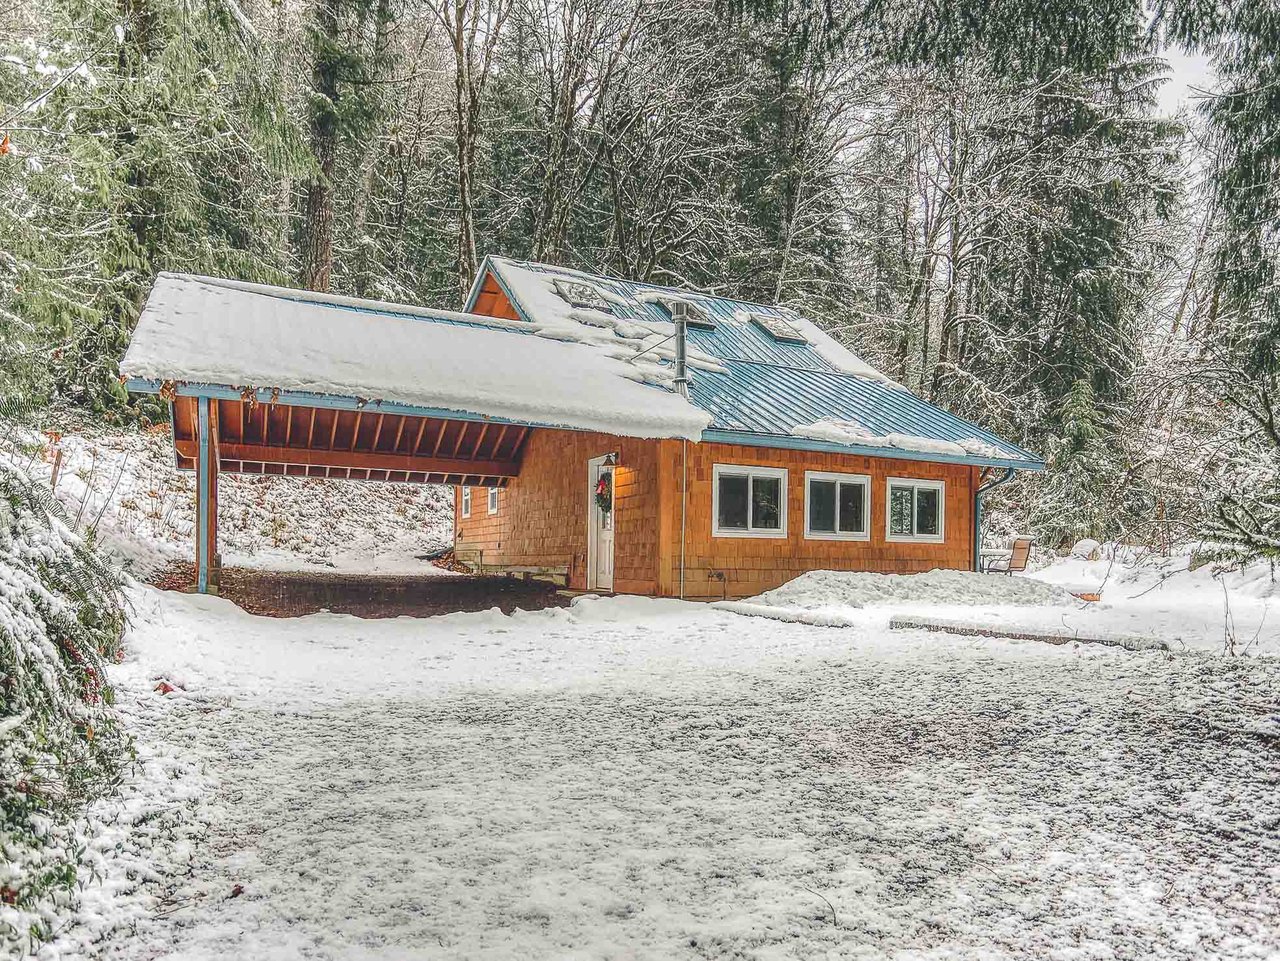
473, 293
306, 398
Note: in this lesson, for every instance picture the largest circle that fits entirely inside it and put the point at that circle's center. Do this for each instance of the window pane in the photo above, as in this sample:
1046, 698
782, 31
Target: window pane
822, 506
733, 502
900, 506
852, 501
766, 503
926, 510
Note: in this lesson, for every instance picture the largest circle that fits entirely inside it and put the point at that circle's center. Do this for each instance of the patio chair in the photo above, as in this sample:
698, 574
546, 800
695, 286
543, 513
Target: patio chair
1011, 561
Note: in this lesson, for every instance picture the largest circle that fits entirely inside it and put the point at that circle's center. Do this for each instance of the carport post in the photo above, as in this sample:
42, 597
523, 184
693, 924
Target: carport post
207, 496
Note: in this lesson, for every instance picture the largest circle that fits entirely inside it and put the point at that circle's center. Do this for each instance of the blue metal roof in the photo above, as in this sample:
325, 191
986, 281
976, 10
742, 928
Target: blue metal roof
769, 387
766, 399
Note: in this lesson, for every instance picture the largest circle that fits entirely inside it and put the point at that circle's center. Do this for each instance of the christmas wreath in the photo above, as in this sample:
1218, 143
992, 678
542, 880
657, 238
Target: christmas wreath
604, 492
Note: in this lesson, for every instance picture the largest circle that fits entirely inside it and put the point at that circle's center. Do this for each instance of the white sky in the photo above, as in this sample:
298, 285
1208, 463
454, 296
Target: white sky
1189, 75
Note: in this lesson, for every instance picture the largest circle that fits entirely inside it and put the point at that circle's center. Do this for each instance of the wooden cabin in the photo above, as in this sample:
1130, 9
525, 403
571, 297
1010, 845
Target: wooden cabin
608, 434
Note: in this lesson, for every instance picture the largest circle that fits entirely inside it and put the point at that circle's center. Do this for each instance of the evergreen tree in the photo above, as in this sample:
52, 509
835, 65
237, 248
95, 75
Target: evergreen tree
350, 57
125, 190
1241, 340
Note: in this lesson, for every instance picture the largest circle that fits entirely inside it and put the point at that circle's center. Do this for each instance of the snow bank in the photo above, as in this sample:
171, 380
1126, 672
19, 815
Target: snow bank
830, 589
1183, 573
1049, 635
1171, 599
201, 330
1177, 596
840, 598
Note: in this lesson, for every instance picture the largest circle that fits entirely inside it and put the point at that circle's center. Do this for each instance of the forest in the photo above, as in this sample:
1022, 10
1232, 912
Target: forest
982, 200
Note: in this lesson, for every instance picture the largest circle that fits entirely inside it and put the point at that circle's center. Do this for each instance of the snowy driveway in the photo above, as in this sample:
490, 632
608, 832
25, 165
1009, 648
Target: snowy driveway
645, 779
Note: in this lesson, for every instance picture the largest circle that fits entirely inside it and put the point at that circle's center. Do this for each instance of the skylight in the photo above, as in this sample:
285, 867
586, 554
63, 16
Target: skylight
578, 293
697, 315
779, 329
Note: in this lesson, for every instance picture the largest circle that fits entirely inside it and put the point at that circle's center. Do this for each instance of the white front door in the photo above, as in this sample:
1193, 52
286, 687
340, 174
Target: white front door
600, 517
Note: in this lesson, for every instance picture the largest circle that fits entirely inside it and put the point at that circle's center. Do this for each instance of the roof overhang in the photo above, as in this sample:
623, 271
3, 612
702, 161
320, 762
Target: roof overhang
302, 398
788, 442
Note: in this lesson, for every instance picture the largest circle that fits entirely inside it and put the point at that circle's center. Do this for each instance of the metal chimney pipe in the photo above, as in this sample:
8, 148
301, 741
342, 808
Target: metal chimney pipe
680, 314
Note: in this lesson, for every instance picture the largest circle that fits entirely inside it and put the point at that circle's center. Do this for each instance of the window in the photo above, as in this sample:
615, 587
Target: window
466, 502
836, 506
493, 500
578, 293
778, 328
748, 501
915, 510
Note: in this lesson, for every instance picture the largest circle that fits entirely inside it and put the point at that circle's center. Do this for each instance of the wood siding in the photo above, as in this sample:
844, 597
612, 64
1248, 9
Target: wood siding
492, 301
542, 514
542, 517
750, 565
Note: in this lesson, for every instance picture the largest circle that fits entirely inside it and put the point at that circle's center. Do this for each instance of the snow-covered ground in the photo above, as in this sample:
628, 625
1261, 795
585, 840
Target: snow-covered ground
1143, 597
1185, 603
142, 508
634, 778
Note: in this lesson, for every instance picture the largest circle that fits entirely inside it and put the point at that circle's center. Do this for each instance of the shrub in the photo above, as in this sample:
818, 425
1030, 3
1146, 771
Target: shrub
61, 746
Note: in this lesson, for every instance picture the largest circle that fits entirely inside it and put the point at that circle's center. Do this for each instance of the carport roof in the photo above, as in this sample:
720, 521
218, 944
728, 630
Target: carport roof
221, 333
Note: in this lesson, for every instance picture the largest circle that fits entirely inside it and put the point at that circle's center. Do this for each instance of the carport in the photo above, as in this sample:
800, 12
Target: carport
273, 381
265, 431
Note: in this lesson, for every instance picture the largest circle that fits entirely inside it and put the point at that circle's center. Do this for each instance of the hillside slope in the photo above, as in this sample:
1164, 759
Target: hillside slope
126, 488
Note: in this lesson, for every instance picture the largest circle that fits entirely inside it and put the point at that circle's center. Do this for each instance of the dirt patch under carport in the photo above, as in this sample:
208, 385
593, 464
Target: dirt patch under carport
294, 593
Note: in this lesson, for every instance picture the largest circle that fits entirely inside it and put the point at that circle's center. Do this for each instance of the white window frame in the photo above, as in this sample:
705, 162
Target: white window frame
917, 483
837, 534
747, 470
466, 502
493, 500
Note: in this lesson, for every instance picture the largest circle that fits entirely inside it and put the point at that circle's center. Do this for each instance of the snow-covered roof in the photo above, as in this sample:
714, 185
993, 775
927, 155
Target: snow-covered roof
636, 307
205, 331
766, 375
586, 352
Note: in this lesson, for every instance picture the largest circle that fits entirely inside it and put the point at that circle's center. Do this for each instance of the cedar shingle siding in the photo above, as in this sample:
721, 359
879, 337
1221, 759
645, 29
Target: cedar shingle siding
542, 517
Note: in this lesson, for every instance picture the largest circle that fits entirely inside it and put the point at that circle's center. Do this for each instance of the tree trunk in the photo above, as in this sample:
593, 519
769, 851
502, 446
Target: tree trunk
317, 216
